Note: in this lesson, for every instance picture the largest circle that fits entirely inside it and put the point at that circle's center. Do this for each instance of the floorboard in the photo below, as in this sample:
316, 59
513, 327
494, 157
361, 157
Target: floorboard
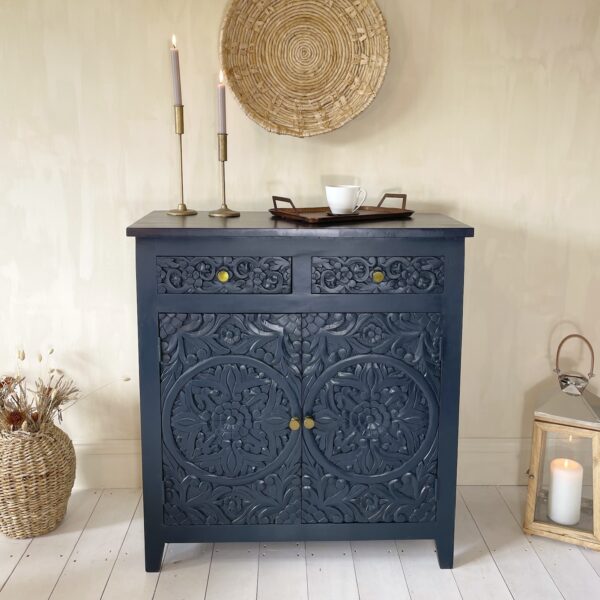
40, 567
593, 557
87, 571
233, 572
129, 579
282, 571
568, 567
184, 574
10, 555
330, 571
475, 571
426, 581
521, 568
97, 553
379, 572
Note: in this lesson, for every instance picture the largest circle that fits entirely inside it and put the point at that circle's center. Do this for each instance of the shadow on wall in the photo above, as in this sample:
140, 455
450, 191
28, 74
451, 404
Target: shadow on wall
532, 398
339, 180
520, 285
395, 96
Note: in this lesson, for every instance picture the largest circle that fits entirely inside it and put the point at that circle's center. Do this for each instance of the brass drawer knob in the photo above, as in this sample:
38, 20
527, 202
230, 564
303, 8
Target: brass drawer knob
294, 424
378, 276
223, 276
309, 423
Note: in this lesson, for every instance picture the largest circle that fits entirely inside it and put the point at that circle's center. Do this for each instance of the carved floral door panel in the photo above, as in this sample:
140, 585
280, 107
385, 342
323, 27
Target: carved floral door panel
230, 383
371, 382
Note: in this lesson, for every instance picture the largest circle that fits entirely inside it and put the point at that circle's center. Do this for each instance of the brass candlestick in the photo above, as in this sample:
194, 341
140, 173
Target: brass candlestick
224, 212
182, 210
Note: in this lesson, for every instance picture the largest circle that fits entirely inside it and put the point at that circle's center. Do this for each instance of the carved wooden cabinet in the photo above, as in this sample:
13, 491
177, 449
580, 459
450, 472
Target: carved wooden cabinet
294, 388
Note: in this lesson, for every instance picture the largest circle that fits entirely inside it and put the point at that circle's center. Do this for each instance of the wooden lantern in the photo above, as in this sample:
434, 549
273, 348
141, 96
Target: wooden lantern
563, 500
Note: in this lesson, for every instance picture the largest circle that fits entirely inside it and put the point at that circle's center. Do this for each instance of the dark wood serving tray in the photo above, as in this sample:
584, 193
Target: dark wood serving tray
322, 216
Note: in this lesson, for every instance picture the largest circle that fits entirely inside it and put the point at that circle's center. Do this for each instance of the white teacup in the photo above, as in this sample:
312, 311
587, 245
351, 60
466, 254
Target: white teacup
345, 199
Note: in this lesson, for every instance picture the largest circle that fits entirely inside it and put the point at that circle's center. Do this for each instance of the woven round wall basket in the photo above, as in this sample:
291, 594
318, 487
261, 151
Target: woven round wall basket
304, 67
37, 471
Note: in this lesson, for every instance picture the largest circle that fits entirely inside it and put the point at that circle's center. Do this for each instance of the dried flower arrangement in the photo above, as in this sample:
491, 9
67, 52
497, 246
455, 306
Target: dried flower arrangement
28, 409
37, 458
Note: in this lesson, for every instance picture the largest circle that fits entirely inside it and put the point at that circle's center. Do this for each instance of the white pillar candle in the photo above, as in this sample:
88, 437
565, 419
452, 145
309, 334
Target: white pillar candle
564, 497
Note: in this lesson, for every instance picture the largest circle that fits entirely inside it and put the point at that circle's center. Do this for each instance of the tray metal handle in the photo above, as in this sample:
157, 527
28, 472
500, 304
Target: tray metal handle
277, 199
389, 195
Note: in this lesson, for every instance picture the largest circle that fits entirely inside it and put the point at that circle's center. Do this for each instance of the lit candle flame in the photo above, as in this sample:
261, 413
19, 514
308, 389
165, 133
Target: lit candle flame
566, 463
570, 438
221, 76
174, 41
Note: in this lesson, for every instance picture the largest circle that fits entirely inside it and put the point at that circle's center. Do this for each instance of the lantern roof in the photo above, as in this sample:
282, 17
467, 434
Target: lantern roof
582, 410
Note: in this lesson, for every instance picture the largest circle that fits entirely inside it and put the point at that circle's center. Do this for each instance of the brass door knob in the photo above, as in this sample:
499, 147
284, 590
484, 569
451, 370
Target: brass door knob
223, 276
378, 276
294, 424
309, 423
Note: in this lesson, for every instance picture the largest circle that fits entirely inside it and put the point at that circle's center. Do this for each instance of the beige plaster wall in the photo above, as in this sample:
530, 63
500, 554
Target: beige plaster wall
490, 112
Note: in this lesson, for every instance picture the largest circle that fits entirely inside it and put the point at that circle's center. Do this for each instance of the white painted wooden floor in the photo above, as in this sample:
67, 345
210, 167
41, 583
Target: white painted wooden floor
98, 553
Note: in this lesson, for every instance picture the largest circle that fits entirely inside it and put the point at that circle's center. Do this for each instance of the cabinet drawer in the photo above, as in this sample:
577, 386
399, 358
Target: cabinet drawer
224, 275
378, 274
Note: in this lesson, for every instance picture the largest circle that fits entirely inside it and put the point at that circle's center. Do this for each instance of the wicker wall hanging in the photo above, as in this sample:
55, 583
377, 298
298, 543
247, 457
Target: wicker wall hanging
304, 67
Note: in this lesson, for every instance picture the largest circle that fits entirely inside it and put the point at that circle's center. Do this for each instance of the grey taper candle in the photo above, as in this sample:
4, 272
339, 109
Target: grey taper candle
222, 119
177, 101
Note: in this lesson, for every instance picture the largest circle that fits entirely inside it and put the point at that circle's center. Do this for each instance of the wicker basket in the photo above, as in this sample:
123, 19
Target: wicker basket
37, 471
304, 67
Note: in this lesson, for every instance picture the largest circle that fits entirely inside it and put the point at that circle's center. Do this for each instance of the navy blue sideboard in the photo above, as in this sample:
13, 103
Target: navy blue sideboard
299, 383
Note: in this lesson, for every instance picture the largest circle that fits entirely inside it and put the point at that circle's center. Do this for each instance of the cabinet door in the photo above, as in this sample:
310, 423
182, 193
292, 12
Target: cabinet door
371, 382
230, 383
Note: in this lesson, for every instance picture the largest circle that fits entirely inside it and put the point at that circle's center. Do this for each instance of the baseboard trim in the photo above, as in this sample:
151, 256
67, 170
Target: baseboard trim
481, 461
108, 464
493, 461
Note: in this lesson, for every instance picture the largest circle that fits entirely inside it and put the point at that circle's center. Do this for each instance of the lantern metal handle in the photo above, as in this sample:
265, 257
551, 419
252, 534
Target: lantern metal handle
586, 341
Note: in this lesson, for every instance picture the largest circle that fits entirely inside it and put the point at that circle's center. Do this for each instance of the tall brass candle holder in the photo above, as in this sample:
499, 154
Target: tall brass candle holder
182, 210
224, 212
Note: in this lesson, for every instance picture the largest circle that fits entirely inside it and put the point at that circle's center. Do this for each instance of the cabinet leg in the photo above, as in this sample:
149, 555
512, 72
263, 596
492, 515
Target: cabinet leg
154, 552
445, 551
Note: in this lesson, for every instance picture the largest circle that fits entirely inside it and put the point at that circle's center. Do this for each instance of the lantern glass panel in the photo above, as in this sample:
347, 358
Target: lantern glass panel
565, 494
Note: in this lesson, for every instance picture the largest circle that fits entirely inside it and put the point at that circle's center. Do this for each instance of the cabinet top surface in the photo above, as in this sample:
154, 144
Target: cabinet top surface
256, 224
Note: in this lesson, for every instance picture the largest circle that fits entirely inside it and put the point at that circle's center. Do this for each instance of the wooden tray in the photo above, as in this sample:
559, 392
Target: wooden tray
322, 216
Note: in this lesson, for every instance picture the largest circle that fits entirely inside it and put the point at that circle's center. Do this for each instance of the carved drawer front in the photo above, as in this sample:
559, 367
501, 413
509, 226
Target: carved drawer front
377, 274
371, 388
224, 275
230, 389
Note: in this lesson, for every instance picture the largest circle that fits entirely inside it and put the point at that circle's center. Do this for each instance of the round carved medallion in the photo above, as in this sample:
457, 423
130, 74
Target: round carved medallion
227, 419
372, 413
